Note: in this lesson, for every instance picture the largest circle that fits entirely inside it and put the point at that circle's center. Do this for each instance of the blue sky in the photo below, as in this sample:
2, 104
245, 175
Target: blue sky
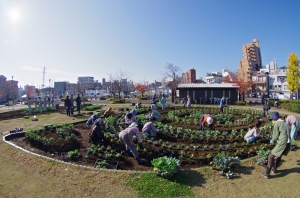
94, 38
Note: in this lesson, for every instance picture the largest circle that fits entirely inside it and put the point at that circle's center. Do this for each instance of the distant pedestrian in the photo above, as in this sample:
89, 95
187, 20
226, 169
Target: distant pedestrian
45, 103
163, 102
49, 101
56, 103
78, 103
29, 105
35, 102
263, 99
72, 105
40, 105
68, 106
222, 104
188, 104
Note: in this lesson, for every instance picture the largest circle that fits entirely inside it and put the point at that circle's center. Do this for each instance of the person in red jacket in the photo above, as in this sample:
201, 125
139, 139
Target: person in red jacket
206, 119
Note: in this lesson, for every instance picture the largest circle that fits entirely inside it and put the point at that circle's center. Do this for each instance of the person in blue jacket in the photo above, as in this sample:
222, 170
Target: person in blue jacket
222, 104
163, 102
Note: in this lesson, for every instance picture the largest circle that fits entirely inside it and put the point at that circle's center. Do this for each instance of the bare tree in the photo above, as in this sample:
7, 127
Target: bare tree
118, 81
172, 77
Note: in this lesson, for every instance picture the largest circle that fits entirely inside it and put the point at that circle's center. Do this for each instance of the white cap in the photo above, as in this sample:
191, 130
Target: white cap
133, 125
209, 120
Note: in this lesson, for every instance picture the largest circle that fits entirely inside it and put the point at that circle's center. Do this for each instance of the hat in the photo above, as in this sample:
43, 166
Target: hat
134, 124
209, 120
274, 116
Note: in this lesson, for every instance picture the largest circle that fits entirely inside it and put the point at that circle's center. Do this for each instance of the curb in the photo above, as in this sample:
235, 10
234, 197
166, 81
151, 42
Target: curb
22, 134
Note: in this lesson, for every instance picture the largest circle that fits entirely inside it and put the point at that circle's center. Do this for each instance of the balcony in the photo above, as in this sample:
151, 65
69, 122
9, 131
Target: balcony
259, 82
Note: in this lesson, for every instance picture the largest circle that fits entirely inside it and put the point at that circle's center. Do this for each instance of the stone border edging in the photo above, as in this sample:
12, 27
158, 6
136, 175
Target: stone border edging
18, 134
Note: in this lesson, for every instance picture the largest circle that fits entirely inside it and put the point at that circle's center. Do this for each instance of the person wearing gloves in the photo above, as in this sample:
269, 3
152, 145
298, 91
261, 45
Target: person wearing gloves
281, 137
293, 124
96, 134
56, 103
163, 102
149, 129
252, 134
92, 120
206, 119
154, 113
126, 135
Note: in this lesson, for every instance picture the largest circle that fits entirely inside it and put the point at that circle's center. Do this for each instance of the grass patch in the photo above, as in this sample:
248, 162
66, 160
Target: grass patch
150, 185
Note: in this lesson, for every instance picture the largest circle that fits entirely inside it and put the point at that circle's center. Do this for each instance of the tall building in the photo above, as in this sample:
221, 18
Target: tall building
251, 60
189, 76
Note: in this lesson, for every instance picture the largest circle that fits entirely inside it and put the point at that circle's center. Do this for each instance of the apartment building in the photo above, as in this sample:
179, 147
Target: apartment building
189, 76
251, 60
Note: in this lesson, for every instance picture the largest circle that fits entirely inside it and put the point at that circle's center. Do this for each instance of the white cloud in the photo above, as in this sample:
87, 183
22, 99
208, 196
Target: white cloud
51, 71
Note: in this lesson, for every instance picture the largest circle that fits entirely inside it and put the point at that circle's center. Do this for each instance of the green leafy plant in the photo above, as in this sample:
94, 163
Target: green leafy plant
225, 161
73, 153
165, 166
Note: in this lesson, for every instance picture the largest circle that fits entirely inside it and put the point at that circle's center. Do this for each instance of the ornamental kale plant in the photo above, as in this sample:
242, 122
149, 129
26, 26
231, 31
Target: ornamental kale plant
225, 161
165, 166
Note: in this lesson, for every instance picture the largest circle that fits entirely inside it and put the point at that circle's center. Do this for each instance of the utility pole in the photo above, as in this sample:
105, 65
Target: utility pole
44, 72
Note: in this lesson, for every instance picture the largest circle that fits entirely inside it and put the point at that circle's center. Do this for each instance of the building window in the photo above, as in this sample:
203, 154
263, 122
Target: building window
212, 93
224, 93
229, 94
206, 94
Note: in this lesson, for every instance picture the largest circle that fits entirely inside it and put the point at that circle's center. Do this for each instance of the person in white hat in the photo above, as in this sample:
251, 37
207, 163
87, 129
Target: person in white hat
206, 119
126, 135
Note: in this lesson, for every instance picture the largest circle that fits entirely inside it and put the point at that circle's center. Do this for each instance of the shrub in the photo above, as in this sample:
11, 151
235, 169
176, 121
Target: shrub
92, 107
87, 104
292, 107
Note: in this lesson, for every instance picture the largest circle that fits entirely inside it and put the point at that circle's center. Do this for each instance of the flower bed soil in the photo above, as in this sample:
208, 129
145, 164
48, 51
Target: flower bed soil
148, 151
19, 114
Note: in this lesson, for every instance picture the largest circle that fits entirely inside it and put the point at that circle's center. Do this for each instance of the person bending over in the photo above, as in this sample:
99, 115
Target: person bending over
206, 119
92, 120
96, 135
149, 129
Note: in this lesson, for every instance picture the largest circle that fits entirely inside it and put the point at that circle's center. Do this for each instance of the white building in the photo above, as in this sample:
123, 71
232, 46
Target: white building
277, 81
85, 79
216, 77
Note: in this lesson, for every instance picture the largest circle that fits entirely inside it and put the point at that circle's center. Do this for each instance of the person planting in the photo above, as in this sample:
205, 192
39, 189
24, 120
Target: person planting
130, 118
109, 112
293, 124
149, 129
252, 134
266, 109
92, 120
206, 119
96, 135
154, 113
281, 137
126, 135
153, 106
138, 105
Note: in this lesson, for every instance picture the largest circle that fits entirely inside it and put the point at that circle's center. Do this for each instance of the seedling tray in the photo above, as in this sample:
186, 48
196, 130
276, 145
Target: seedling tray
100, 163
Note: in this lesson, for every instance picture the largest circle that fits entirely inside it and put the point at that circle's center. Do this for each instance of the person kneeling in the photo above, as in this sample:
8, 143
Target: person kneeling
96, 135
126, 135
252, 135
149, 129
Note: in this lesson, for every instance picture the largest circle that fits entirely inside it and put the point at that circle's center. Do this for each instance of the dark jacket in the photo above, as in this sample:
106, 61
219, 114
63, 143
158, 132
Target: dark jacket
266, 108
68, 102
92, 120
78, 100
97, 134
